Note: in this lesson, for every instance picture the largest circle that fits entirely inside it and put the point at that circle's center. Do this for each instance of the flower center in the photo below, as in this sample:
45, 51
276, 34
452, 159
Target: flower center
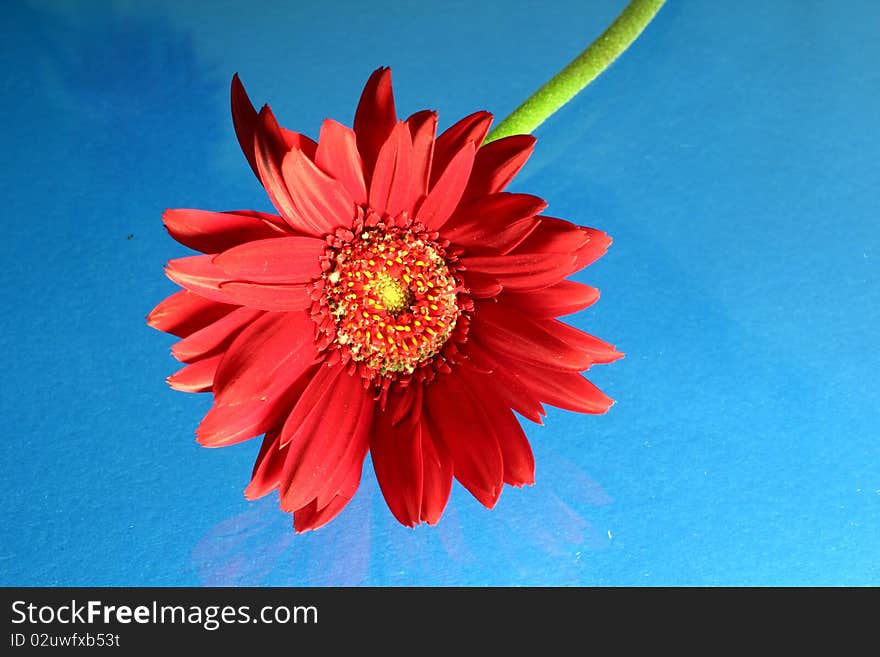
393, 293
392, 299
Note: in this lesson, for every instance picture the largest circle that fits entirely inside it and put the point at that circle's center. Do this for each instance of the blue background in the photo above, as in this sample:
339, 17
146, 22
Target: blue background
732, 154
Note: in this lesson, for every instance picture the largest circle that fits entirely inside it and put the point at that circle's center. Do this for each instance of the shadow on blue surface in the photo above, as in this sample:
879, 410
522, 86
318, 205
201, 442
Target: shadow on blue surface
548, 523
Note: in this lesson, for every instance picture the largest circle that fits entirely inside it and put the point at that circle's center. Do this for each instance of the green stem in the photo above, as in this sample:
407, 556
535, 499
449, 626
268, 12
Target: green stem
563, 86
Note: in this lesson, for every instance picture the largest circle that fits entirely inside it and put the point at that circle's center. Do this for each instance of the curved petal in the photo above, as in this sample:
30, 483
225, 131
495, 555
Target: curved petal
509, 333
522, 271
497, 163
214, 336
414, 473
259, 374
185, 312
498, 222
200, 275
437, 476
246, 122
518, 397
396, 452
322, 201
568, 390
519, 463
393, 188
212, 232
481, 286
338, 156
559, 236
562, 298
318, 443
279, 260
457, 421
196, 377
352, 459
244, 119
596, 246
270, 151
241, 419
312, 516
443, 198
422, 128
267, 468
304, 144
375, 117
264, 296
598, 350
471, 128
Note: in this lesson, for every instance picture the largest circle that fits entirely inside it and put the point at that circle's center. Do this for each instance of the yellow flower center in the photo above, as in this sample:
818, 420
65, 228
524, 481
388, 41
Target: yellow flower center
392, 298
394, 294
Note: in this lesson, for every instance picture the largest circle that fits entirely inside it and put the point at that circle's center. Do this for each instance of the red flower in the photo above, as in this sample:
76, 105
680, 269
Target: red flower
400, 303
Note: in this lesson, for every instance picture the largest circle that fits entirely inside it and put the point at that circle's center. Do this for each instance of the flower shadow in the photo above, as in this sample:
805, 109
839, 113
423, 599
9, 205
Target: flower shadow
536, 536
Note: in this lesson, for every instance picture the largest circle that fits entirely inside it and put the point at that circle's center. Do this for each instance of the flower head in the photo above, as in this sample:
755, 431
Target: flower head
400, 303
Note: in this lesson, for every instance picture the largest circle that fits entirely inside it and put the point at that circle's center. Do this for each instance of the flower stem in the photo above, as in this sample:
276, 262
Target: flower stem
582, 70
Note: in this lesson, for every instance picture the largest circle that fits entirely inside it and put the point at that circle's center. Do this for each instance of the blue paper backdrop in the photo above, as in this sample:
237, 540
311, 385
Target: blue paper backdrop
732, 154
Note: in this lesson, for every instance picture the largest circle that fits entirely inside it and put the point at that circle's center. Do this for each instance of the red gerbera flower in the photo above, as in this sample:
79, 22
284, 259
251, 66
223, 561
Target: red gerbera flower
399, 303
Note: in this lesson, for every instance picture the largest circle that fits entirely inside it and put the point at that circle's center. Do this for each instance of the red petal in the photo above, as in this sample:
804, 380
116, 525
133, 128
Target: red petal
244, 118
471, 128
270, 151
393, 188
437, 476
231, 422
596, 246
396, 452
310, 517
507, 332
319, 442
515, 395
598, 350
414, 475
338, 156
497, 163
247, 123
212, 232
554, 236
260, 367
278, 260
457, 421
316, 389
422, 128
481, 286
275, 298
185, 312
321, 200
498, 222
200, 275
407, 406
300, 142
443, 198
567, 390
522, 271
267, 469
197, 377
375, 117
519, 463
214, 336
352, 459
563, 298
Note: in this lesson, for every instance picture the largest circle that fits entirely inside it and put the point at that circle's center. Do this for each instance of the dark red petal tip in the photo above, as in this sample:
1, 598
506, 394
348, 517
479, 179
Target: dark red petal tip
375, 116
